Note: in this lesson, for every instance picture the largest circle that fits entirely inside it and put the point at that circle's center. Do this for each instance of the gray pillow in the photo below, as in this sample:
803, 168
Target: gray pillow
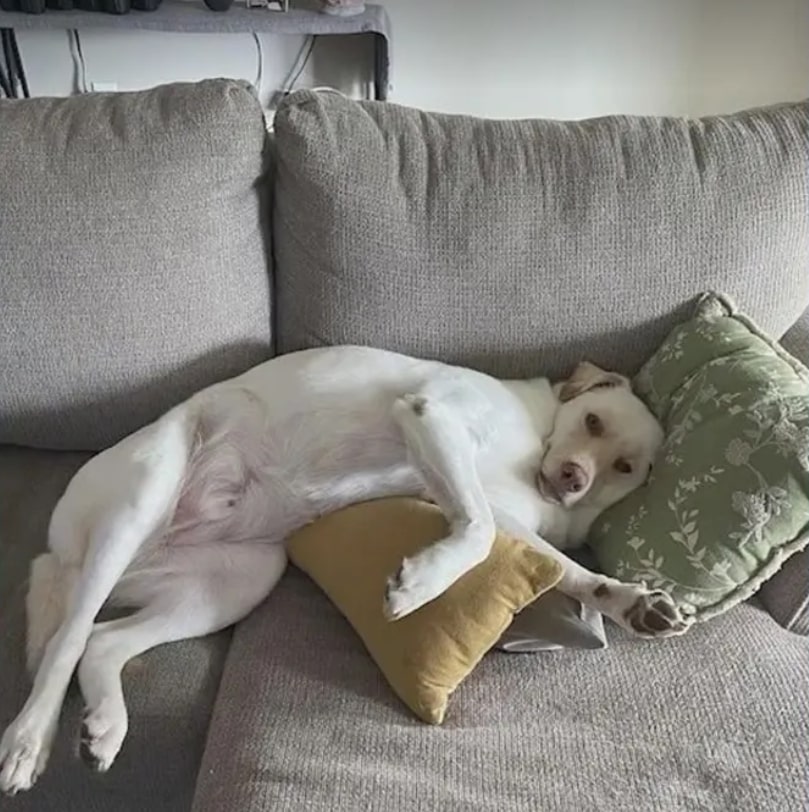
554, 621
134, 264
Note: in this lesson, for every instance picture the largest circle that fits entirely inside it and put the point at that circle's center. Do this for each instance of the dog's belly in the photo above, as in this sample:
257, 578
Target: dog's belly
307, 434
252, 476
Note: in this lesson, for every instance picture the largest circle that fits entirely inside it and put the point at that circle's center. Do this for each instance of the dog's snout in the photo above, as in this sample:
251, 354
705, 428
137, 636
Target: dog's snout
572, 477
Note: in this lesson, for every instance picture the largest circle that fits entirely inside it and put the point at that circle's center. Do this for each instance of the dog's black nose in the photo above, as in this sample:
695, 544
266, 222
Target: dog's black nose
572, 476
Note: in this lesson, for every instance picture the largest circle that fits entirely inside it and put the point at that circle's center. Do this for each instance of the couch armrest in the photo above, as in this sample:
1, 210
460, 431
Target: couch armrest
786, 594
796, 340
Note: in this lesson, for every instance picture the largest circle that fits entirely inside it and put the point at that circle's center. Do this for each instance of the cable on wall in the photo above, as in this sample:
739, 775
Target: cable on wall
5, 86
295, 71
8, 63
15, 50
14, 80
78, 60
294, 74
260, 70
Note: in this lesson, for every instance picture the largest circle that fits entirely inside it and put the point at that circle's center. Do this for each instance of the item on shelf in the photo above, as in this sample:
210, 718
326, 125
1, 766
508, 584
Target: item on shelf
28, 6
342, 8
124, 6
106, 6
270, 5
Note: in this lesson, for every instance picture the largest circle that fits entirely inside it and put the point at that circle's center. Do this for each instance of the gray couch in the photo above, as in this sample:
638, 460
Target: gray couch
153, 243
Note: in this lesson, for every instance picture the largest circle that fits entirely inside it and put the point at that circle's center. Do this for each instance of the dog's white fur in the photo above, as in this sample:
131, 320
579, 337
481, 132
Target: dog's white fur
186, 519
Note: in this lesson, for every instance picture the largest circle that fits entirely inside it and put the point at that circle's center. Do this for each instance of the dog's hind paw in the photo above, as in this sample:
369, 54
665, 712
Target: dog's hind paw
23, 756
102, 734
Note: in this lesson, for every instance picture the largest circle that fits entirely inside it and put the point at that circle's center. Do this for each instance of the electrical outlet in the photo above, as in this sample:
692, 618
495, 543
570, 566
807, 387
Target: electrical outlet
104, 87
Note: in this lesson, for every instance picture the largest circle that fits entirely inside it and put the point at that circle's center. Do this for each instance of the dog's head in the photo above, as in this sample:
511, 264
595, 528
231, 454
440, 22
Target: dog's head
603, 442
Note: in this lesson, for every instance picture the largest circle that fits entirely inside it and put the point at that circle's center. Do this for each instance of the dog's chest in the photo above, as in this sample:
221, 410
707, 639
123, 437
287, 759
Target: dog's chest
518, 497
508, 467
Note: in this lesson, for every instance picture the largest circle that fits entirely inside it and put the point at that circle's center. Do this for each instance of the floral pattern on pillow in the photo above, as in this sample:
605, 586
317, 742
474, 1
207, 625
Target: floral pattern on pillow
728, 500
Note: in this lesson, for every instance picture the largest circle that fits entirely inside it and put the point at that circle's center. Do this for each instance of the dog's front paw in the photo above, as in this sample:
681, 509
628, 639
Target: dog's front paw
649, 614
409, 590
23, 756
654, 614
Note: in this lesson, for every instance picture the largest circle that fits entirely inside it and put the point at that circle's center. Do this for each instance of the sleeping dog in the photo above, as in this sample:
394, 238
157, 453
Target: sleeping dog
186, 519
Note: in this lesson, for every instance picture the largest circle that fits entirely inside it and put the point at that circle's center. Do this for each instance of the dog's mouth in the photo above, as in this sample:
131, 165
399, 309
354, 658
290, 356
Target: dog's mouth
547, 490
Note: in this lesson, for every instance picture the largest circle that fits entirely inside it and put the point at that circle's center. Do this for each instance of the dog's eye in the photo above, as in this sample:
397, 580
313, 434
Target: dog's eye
622, 466
593, 424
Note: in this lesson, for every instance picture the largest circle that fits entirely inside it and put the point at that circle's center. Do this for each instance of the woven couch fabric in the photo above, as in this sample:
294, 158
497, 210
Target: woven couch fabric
520, 247
133, 256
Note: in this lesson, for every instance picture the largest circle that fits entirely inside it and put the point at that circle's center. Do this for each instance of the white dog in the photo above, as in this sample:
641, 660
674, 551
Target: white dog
186, 519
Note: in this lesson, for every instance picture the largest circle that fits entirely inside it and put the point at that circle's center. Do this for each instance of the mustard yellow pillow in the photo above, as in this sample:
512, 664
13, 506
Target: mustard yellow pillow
426, 655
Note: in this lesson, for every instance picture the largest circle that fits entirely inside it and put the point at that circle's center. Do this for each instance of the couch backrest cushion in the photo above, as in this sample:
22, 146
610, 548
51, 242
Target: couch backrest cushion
132, 257
522, 246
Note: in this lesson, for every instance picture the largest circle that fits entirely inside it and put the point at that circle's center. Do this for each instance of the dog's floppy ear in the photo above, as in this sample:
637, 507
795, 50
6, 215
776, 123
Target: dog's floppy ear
588, 376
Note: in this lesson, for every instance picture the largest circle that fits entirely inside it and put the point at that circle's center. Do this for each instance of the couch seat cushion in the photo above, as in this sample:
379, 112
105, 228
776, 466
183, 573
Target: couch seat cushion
714, 720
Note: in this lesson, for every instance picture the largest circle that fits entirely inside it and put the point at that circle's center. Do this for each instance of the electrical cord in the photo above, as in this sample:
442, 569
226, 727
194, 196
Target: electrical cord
295, 62
15, 52
260, 70
298, 65
290, 84
78, 60
4, 83
14, 79
8, 61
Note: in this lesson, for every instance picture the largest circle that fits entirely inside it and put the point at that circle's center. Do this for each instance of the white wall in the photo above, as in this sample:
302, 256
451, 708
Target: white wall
574, 58
519, 58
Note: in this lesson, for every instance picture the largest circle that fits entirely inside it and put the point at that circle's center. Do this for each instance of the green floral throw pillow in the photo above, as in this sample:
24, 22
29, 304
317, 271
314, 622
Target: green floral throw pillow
728, 500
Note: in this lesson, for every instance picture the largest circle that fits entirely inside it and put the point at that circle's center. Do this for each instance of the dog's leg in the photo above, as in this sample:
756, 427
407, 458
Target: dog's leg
645, 612
142, 478
442, 449
50, 585
214, 586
